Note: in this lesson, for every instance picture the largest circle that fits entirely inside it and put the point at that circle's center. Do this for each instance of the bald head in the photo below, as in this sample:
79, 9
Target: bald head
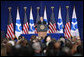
41, 18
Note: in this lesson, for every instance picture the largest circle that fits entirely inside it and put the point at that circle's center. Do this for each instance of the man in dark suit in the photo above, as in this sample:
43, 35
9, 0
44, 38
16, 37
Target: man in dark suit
41, 21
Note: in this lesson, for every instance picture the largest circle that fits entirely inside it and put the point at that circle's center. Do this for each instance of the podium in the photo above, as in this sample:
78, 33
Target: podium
42, 30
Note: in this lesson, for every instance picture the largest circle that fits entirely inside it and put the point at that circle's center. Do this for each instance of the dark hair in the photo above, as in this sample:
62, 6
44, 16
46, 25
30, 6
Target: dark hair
68, 44
51, 52
62, 44
33, 37
27, 51
19, 37
46, 38
22, 51
62, 53
51, 45
80, 49
54, 40
61, 36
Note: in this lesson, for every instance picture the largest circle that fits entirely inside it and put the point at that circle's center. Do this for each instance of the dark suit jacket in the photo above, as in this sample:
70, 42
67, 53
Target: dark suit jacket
39, 22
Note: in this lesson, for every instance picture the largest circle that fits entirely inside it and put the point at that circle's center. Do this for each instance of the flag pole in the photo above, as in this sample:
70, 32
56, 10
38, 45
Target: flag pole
37, 13
52, 8
45, 7
67, 7
38, 9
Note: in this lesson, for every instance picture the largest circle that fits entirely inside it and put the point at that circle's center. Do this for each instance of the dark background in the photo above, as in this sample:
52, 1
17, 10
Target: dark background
41, 4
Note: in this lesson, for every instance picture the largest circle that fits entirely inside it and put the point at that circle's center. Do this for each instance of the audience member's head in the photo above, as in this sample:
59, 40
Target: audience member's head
68, 43
20, 37
50, 52
78, 41
33, 38
47, 38
8, 48
80, 49
11, 42
24, 43
4, 41
53, 39
51, 45
62, 39
66, 50
74, 39
57, 45
3, 50
37, 47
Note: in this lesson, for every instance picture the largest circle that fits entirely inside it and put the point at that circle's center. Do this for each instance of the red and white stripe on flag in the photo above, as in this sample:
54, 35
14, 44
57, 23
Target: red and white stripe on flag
35, 30
67, 33
25, 28
10, 31
52, 28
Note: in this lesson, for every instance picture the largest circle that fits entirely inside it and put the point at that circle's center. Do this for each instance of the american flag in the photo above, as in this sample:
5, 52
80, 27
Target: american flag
52, 25
25, 25
10, 29
67, 33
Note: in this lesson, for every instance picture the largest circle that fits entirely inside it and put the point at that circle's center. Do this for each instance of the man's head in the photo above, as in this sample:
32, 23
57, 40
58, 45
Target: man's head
33, 37
48, 39
37, 47
3, 50
57, 44
41, 18
74, 39
66, 50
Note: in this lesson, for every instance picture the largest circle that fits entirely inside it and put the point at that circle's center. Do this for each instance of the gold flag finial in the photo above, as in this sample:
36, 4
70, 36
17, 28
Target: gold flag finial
67, 7
38, 8
25, 8
52, 8
9, 9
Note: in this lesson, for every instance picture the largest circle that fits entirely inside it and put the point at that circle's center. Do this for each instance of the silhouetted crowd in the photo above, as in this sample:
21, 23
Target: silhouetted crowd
38, 46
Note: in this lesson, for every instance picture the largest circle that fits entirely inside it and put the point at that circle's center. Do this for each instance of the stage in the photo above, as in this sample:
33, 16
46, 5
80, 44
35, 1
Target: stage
53, 35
